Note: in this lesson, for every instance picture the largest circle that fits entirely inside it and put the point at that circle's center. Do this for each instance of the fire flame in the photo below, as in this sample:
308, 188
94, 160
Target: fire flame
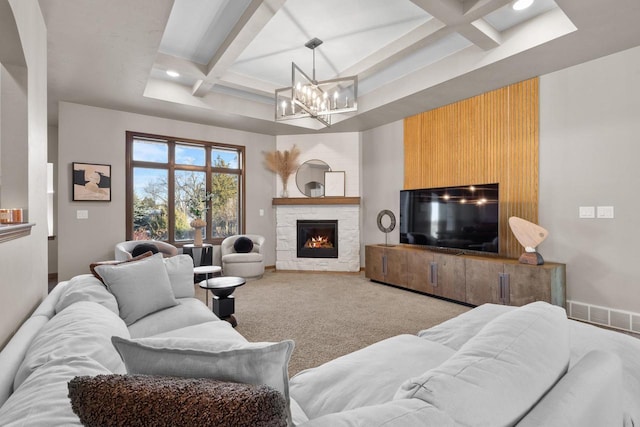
318, 242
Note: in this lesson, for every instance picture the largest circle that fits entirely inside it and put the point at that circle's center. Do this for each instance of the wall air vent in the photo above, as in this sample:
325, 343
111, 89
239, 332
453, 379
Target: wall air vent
604, 316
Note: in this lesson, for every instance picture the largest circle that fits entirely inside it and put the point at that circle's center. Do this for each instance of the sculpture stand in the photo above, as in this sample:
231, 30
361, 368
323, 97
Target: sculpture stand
529, 235
531, 258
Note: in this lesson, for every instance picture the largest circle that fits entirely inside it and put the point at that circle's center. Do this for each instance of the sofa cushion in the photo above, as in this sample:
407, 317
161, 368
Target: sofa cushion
13, 353
455, 332
369, 376
42, 399
242, 258
141, 287
86, 287
215, 330
154, 401
395, 413
590, 394
251, 363
500, 374
84, 329
189, 311
180, 271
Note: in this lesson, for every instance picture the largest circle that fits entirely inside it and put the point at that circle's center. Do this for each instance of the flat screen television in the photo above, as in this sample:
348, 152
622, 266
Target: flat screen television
463, 218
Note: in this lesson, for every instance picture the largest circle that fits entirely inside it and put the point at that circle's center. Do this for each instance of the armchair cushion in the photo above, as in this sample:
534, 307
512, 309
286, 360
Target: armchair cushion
240, 258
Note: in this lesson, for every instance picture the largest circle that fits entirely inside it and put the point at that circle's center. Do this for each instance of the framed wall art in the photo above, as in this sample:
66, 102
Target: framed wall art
334, 183
91, 182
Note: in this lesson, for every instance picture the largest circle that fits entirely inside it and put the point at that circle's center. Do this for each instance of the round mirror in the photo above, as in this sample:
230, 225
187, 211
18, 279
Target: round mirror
310, 177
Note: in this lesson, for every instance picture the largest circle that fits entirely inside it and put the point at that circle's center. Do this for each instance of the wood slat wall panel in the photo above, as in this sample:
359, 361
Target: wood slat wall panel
489, 138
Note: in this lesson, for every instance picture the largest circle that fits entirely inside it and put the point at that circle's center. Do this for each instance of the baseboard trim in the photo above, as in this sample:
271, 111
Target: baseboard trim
354, 273
604, 316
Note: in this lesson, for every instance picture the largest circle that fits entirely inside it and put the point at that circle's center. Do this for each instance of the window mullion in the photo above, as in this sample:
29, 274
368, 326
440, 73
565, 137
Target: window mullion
171, 188
208, 215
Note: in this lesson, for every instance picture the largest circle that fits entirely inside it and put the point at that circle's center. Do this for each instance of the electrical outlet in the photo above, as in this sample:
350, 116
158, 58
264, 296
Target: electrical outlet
587, 212
261, 212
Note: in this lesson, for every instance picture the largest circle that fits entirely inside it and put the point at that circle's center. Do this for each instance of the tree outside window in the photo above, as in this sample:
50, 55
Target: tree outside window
171, 182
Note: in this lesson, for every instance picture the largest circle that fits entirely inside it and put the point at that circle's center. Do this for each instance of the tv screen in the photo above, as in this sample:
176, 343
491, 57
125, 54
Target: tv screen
464, 217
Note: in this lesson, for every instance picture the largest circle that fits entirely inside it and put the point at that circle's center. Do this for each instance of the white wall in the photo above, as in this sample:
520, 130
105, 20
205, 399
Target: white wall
23, 262
383, 178
89, 134
589, 151
341, 151
52, 157
589, 156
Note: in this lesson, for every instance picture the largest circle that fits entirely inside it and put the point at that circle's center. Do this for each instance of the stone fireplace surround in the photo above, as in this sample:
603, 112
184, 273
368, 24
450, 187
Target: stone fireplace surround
348, 216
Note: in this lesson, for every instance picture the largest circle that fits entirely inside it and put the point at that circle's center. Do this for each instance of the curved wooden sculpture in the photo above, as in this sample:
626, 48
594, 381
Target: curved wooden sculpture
529, 235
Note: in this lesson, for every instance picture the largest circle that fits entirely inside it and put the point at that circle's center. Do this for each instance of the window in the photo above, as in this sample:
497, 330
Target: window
168, 177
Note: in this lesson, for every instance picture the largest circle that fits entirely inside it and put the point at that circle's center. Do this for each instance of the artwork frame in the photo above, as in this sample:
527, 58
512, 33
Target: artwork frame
90, 182
334, 183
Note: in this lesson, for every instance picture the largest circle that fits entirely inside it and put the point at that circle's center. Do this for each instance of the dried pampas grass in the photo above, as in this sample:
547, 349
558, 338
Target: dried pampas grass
284, 163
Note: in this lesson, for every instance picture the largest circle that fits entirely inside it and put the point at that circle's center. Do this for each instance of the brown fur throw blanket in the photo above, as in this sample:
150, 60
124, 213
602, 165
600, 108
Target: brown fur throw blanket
143, 400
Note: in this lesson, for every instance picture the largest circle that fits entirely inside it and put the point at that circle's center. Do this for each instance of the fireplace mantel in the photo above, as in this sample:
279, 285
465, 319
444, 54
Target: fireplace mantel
298, 201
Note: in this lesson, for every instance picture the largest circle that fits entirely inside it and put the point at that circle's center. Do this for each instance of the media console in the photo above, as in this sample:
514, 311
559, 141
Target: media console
470, 279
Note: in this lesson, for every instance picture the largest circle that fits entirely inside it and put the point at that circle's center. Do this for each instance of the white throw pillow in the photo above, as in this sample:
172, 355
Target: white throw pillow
500, 374
250, 363
180, 271
84, 329
141, 287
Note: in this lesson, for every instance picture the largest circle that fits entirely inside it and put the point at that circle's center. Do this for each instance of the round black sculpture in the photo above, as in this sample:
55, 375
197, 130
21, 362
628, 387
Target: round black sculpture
392, 223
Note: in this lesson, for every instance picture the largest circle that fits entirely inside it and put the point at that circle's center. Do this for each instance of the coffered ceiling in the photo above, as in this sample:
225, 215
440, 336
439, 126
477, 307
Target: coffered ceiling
409, 55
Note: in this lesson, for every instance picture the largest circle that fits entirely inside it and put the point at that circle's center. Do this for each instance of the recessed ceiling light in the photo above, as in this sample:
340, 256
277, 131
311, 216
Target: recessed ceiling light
521, 4
173, 73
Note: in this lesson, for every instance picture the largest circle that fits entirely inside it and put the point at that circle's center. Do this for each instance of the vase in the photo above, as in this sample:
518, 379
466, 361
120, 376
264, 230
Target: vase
285, 193
197, 225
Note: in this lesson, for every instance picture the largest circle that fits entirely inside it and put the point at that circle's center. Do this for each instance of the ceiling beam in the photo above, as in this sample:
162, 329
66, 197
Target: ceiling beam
465, 18
255, 17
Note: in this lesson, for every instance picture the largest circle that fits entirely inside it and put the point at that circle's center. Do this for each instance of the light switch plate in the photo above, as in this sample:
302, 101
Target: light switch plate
82, 214
587, 212
605, 212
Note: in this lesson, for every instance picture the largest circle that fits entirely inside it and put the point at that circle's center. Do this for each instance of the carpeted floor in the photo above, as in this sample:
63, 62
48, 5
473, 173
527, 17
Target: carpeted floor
330, 314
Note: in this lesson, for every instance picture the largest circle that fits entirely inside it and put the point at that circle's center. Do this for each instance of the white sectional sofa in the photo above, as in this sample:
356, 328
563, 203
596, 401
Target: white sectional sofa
492, 366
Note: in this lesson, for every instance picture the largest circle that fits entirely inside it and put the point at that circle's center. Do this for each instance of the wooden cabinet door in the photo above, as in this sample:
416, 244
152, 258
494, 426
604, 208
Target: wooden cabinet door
419, 277
374, 263
451, 277
528, 283
396, 266
483, 281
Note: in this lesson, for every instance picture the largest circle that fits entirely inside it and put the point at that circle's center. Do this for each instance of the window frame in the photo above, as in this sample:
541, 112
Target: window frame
170, 166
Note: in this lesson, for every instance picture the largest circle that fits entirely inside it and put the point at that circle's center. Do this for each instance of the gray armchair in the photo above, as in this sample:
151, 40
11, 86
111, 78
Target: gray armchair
247, 265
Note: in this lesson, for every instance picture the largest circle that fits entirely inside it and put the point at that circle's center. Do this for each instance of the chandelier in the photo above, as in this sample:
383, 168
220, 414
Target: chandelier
307, 97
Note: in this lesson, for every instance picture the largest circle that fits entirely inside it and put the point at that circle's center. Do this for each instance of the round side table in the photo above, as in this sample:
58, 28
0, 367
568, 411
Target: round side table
223, 303
208, 271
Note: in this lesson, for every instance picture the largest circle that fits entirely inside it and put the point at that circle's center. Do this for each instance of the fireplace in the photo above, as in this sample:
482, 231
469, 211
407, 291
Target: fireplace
317, 238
